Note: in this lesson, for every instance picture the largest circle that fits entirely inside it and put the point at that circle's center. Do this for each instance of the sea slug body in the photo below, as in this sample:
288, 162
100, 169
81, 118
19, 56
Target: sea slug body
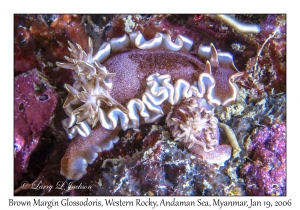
136, 81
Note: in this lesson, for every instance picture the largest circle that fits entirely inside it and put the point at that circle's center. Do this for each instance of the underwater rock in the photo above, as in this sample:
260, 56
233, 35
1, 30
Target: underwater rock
159, 167
265, 174
34, 105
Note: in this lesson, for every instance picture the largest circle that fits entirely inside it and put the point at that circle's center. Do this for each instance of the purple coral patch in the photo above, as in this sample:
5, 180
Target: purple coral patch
266, 173
31, 115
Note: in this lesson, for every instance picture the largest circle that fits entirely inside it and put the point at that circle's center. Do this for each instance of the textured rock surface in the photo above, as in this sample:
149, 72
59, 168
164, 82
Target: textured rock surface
34, 106
161, 168
265, 174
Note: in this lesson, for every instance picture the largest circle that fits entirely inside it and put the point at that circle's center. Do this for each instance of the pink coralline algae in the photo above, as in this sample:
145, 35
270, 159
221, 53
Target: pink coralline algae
265, 174
34, 105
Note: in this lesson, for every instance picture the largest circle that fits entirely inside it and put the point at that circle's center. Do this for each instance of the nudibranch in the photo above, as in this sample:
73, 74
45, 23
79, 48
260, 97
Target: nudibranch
192, 122
131, 81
